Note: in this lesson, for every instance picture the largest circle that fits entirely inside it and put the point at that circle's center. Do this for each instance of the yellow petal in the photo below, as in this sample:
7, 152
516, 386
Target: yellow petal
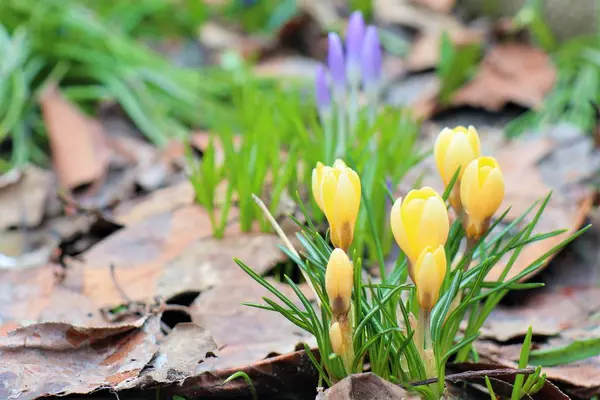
458, 155
412, 212
468, 185
328, 188
339, 281
353, 176
429, 272
440, 149
493, 191
425, 221
336, 338
339, 164
347, 203
434, 225
482, 192
473, 137
398, 227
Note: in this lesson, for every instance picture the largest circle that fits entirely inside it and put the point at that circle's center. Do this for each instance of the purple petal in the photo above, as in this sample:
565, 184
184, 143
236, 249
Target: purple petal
371, 58
335, 61
355, 35
322, 90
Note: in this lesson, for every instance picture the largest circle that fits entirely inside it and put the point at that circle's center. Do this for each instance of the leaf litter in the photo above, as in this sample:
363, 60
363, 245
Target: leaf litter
160, 248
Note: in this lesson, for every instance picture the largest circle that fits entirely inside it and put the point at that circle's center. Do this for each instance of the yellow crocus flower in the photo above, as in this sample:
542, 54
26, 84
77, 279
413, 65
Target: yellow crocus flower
339, 281
340, 196
481, 193
418, 221
429, 271
454, 149
317, 179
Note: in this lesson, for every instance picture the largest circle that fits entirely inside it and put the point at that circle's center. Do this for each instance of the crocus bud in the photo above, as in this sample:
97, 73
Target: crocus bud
419, 221
454, 149
429, 271
317, 180
481, 193
371, 60
338, 282
354, 42
336, 64
340, 196
322, 91
337, 339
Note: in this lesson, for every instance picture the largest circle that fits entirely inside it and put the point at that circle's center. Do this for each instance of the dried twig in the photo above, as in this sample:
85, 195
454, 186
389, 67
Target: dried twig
285, 240
465, 376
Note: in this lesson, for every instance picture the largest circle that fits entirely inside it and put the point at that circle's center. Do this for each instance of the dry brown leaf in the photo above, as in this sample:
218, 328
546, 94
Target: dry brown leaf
208, 262
366, 386
583, 374
510, 72
522, 170
539, 310
186, 346
245, 334
139, 253
73, 139
25, 293
500, 375
57, 358
444, 6
158, 202
270, 378
23, 201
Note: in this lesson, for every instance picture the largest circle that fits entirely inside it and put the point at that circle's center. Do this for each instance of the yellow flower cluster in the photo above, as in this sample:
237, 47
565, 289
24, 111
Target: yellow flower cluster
420, 226
419, 222
479, 188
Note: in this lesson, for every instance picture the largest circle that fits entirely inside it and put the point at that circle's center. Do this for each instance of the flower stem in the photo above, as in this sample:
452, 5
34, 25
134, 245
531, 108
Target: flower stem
341, 125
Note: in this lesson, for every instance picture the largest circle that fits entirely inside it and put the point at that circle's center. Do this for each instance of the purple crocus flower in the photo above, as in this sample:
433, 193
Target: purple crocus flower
371, 59
322, 90
355, 34
335, 62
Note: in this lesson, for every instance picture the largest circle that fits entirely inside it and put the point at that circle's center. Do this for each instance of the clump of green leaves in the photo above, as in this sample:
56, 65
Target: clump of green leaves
273, 143
93, 61
258, 16
457, 64
383, 313
576, 94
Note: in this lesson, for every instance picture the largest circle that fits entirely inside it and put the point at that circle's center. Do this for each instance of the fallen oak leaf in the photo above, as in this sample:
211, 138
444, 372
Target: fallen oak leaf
177, 358
509, 73
73, 139
55, 358
366, 386
23, 197
163, 200
270, 376
245, 334
539, 311
139, 253
581, 375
